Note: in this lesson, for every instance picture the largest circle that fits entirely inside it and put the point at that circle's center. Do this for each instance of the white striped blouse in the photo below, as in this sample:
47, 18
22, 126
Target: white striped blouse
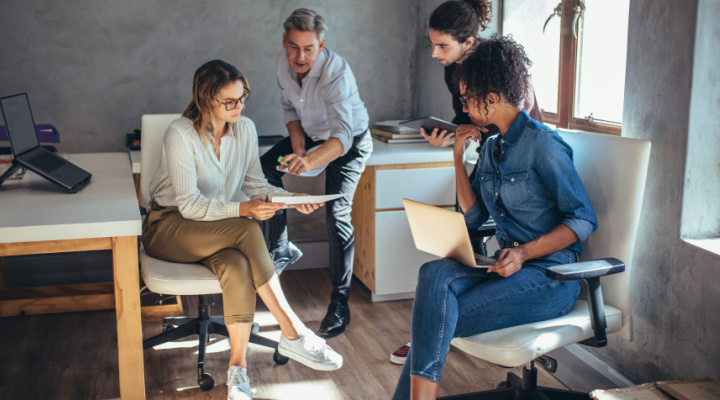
204, 188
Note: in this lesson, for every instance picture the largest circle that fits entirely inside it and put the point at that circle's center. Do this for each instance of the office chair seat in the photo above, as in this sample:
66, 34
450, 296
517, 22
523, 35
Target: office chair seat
177, 278
517, 345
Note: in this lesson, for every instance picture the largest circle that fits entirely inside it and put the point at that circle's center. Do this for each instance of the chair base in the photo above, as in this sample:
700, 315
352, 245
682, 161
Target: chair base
204, 325
525, 388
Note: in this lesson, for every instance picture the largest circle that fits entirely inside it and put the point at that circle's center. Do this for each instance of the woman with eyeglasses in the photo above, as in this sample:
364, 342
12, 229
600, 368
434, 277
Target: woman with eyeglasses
527, 183
208, 194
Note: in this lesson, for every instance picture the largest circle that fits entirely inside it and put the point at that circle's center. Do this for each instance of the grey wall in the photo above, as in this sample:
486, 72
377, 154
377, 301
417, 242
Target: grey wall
673, 54
92, 68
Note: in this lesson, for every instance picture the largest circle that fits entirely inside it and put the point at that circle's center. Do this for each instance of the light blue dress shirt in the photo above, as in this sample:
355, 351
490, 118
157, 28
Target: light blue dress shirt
532, 189
328, 103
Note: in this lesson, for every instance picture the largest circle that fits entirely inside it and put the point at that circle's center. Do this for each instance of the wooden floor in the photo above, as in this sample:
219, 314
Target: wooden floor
74, 356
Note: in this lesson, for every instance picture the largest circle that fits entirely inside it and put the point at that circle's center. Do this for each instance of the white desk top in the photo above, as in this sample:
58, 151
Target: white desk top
408, 153
33, 209
135, 160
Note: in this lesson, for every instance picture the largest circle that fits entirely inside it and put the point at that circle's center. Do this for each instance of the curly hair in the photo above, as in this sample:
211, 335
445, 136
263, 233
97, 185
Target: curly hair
498, 65
461, 18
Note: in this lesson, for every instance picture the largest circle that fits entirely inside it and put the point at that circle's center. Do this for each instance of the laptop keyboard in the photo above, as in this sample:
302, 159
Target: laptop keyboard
45, 162
484, 261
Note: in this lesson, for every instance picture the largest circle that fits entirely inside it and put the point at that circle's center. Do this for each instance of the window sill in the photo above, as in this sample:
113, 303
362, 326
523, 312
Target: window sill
712, 245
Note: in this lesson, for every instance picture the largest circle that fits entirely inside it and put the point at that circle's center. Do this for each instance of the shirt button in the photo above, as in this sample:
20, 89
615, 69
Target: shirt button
516, 244
502, 214
496, 193
512, 179
482, 178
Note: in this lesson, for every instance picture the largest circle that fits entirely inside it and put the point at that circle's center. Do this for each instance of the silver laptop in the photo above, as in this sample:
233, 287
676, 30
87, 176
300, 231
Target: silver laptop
27, 151
443, 233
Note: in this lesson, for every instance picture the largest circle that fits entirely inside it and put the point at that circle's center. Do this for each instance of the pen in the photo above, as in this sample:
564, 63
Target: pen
280, 160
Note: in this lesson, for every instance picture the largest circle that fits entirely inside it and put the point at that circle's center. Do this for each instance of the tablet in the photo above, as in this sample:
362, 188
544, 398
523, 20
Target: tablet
429, 123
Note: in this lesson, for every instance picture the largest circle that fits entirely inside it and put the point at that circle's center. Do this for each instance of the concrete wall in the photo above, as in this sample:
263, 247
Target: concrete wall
669, 96
92, 68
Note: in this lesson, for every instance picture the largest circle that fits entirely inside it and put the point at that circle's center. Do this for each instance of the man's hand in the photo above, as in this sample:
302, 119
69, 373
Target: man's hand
438, 139
509, 262
295, 164
259, 209
306, 208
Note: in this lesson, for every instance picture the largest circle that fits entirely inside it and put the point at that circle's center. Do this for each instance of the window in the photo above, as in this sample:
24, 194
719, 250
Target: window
578, 49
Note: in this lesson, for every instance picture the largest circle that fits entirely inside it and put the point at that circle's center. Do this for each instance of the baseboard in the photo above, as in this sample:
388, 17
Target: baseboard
581, 371
389, 297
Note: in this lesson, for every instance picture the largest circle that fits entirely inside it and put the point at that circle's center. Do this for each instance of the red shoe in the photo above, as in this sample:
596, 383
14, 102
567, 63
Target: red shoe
400, 355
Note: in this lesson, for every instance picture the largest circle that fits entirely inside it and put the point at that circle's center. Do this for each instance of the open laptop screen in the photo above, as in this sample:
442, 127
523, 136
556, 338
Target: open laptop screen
20, 125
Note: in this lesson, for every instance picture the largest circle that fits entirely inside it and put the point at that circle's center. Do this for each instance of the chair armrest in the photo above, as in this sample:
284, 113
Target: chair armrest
590, 272
585, 269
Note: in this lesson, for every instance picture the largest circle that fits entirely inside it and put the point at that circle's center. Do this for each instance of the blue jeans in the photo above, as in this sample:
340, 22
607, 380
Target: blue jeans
454, 300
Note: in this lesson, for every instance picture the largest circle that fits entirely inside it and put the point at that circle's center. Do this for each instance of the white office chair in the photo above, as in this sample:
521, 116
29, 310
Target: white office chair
181, 279
613, 170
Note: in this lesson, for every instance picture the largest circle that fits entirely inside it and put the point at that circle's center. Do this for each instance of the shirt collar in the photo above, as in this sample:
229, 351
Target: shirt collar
514, 132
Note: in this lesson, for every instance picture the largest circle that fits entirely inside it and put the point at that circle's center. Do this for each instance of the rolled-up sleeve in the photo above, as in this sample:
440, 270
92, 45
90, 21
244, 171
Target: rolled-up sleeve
556, 169
338, 100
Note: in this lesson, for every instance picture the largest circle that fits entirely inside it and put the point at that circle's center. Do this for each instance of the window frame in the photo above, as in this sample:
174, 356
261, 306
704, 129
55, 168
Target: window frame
564, 118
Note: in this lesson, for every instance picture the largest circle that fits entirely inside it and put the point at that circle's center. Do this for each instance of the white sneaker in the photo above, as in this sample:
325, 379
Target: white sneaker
310, 350
238, 384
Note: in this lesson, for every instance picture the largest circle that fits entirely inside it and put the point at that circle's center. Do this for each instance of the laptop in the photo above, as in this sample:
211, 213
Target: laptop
27, 151
443, 233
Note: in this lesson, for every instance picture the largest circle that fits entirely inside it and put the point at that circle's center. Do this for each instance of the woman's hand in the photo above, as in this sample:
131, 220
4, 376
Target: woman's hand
509, 262
259, 209
306, 208
463, 135
438, 139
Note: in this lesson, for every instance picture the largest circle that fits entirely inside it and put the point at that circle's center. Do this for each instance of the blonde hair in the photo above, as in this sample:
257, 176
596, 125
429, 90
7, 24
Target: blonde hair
207, 82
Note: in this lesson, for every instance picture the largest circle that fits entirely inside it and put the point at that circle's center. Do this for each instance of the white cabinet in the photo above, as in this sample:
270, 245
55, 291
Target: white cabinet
386, 259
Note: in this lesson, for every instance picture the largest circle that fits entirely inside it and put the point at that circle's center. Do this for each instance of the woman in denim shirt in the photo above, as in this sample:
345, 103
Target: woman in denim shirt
527, 183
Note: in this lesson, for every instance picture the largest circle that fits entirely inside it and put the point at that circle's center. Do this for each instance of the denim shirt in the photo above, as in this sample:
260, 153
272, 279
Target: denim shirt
532, 189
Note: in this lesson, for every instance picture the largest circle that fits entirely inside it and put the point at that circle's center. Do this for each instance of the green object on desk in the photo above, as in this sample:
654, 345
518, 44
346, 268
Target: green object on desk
280, 161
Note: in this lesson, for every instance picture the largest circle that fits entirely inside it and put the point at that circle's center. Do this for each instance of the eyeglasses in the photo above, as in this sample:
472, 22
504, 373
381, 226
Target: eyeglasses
233, 103
464, 101
498, 151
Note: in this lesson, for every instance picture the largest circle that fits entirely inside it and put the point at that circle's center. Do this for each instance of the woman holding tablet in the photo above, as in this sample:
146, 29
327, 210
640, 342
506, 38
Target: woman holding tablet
207, 195
527, 183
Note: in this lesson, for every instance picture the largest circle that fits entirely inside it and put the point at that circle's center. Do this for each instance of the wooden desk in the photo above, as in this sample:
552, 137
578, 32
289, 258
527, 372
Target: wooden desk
36, 217
386, 259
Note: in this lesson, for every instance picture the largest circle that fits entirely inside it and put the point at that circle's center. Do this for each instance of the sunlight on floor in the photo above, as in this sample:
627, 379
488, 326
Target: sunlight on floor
316, 390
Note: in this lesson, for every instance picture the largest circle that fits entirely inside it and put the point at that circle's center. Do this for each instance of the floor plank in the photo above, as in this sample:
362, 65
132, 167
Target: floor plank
74, 355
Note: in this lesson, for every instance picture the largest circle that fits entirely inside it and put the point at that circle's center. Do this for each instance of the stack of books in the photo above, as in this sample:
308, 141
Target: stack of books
392, 132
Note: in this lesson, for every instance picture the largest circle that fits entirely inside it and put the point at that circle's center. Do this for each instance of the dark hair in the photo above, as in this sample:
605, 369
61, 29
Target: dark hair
498, 65
209, 79
461, 18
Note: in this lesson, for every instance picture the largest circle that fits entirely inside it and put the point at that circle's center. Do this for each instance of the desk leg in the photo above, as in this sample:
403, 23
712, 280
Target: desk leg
127, 309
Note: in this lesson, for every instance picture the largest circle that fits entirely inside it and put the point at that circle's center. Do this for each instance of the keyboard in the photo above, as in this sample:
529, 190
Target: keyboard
269, 140
45, 162
483, 261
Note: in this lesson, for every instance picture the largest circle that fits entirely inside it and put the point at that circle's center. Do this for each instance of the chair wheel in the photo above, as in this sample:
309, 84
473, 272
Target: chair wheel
279, 358
255, 328
206, 381
504, 385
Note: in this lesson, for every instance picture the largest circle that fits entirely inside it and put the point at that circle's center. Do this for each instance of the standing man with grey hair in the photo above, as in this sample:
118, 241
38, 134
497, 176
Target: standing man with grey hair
323, 112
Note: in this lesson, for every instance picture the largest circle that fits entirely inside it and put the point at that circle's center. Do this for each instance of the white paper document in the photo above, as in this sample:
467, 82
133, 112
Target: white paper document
306, 199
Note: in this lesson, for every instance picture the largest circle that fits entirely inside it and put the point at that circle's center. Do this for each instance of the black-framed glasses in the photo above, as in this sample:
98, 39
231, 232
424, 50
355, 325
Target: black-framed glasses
464, 101
232, 104
498, 151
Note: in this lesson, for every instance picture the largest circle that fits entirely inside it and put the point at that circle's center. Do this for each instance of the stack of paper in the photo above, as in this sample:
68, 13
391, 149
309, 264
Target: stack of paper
392, 132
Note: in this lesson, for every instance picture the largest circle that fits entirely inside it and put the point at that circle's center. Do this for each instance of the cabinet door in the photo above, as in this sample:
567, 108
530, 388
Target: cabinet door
397, 260
434, 186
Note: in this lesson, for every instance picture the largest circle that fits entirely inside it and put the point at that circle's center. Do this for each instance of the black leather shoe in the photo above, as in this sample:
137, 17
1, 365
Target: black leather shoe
336, 319
282, 256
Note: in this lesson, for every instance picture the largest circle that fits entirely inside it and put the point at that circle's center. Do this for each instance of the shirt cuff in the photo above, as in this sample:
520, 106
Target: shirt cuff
473, 216
233, 210
290, 115
581, 227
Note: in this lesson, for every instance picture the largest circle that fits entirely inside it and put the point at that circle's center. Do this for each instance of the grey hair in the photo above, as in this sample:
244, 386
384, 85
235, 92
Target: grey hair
306, 20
